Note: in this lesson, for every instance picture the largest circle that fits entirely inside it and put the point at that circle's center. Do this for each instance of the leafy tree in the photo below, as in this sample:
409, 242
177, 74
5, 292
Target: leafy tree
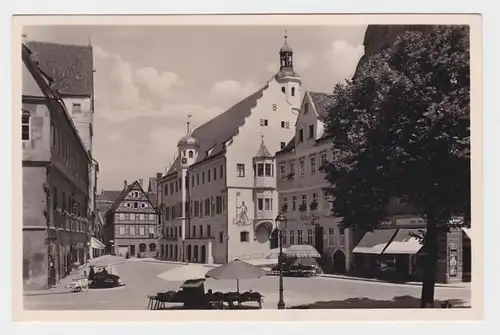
401, 130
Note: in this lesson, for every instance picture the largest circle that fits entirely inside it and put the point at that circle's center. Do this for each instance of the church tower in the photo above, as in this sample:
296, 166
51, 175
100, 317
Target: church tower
188, 147
290, 81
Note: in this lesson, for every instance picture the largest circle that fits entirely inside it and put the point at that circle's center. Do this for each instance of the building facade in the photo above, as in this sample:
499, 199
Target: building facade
55, 182
131, 227
218, 197
301, 187
71, 66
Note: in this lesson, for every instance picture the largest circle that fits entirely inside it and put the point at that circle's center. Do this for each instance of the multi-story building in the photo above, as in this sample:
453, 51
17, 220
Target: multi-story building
301, 187
132, 224
55, 181
219, 196
71, 67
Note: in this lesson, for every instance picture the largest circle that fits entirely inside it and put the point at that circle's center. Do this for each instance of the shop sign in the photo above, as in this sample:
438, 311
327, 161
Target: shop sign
410, 222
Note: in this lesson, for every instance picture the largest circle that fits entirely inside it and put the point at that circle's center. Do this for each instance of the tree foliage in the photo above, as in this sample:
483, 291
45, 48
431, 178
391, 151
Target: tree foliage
401, 130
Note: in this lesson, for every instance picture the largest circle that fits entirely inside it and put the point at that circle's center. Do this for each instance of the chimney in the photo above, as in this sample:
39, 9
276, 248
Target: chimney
125, 184
141, 181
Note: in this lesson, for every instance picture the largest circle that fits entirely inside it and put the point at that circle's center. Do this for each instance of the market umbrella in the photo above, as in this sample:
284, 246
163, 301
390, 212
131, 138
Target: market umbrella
302, 250
237, 270
182, 273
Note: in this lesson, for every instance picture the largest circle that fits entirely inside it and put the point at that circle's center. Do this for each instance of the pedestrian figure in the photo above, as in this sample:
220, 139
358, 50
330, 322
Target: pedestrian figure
91, 273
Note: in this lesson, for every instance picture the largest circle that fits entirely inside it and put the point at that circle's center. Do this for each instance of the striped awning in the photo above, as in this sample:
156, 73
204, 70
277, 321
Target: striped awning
404, 242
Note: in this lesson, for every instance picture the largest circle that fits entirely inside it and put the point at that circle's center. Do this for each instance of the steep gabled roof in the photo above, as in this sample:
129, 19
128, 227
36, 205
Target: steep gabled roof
322, 102
263, 152
108, 195
213, 134
123, 194
71, 66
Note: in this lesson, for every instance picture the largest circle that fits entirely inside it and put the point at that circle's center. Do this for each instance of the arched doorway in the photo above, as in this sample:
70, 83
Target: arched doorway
274, 239
162, 251
203, 256
176, 258
188, 253
339, 262
171, 253
142, 247
195, 254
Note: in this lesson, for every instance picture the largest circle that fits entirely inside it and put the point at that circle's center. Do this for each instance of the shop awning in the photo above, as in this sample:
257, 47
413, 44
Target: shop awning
374, 242
404, 242
96, 244
467, 231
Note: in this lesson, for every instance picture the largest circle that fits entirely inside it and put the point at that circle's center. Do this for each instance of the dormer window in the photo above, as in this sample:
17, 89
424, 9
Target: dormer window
311, 131
301, 135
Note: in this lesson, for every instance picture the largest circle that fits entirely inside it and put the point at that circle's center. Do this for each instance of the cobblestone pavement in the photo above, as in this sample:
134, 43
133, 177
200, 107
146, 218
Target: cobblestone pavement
141, 278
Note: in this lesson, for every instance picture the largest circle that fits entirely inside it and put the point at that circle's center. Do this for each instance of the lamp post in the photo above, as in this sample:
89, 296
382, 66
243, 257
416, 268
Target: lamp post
281, 226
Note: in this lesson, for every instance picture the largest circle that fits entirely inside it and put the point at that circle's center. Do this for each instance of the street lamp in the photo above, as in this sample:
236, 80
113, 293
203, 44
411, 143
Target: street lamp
281, 226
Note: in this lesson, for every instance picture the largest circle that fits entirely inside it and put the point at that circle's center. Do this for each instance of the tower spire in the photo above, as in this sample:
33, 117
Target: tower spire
286, 35
188, 124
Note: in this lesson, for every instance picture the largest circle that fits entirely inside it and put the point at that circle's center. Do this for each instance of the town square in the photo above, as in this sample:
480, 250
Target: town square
305, 168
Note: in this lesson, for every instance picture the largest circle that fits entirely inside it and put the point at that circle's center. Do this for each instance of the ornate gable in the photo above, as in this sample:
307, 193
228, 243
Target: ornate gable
133, 200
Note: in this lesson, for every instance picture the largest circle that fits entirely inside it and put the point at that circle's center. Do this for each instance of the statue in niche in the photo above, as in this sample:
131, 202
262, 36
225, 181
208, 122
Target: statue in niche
241, 213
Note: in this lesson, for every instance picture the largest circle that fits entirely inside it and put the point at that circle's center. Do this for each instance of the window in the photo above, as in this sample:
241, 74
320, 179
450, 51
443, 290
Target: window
196, 208
260, 170
304, 199
301, 135
282, 171
287, 125
194, 231
132, 217
215, 173
260, 204
190, 154
244, 236
167, 213
283, 89
141, 217
218, 204
292, 237
315, 197
331, 236
264, 122
301, 167
282, 145
275, 107
282, 124
207, 207
132, 230
122, 216
293, 91
306, 108
285, 203
176, 186
203, 177
268, 204
136, 205
221, 171
201, 231
310, 236
323, 158
26, 126
294, 203
269, 170
122, 230
152, 230
311, 131
313, 164
209, 173
240, 170
171, 188
299, 237
221, 237
201, 209
141, 230
197, 179
192, 181
209, 231
77, 108
292, 168
165, 190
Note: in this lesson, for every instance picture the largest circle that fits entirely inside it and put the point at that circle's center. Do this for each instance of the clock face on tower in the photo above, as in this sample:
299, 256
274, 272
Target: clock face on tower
184, 161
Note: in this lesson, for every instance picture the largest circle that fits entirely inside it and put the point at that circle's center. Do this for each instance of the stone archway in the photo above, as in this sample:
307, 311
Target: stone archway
274, 243
262, 231
339, 262
203, 254
188, 253
142, 247
196, 257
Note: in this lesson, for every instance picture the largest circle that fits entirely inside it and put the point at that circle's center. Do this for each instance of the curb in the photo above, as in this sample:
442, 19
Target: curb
178, 263
388, 282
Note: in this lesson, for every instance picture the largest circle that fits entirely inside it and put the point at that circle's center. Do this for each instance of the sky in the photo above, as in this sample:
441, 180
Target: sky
150, 78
